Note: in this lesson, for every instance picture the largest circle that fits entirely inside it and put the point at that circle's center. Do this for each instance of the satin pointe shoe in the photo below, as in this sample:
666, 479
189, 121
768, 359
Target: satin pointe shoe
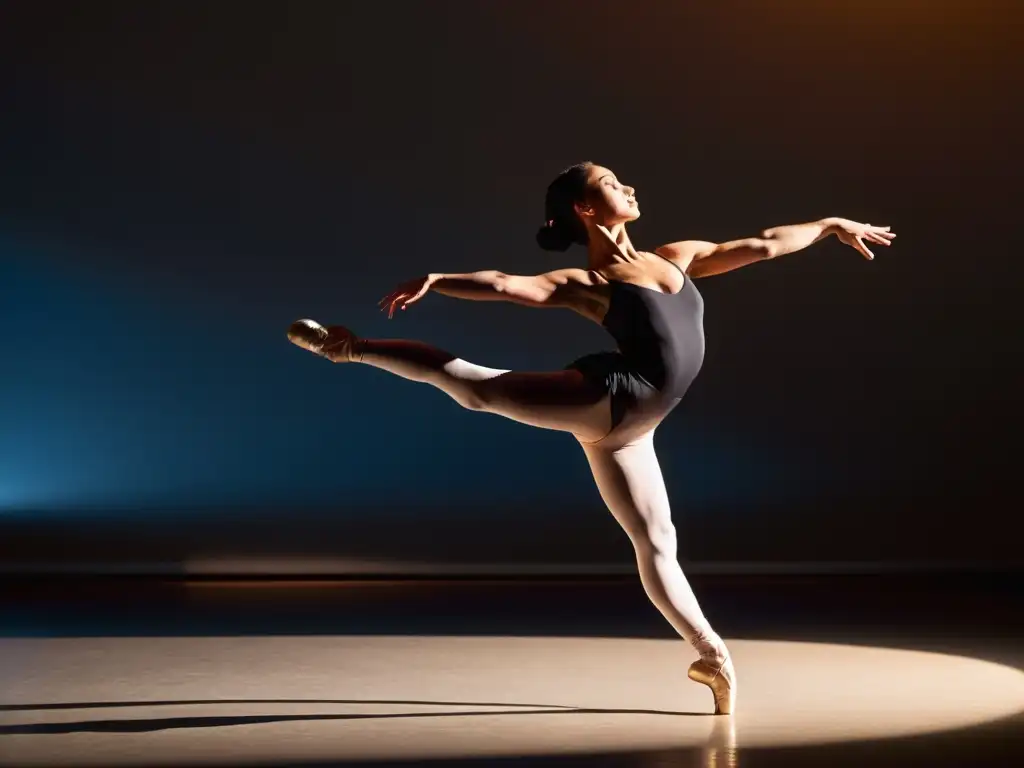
717, 673
336, 343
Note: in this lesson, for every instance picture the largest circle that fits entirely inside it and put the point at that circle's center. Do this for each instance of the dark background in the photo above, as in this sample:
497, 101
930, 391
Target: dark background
179, 181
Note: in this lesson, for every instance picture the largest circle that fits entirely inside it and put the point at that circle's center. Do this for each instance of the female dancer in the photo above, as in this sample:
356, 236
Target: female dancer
612, 402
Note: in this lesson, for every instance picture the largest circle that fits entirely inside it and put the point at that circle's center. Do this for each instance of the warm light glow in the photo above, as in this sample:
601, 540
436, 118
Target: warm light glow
310, 698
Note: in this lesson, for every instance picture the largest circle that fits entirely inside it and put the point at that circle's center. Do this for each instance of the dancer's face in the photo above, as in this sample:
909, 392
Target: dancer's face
608, 201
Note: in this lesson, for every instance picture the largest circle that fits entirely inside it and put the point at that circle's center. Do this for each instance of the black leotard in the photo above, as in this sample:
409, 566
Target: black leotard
661, 348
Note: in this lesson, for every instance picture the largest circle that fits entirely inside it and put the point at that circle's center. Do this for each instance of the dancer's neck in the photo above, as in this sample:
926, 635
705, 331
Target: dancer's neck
610, 246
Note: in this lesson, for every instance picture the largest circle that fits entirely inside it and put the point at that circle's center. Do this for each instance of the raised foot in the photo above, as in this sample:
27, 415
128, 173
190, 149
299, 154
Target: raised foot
336, 343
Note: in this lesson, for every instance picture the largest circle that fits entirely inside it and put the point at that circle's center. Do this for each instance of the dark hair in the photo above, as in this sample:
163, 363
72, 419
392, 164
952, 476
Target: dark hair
561, 226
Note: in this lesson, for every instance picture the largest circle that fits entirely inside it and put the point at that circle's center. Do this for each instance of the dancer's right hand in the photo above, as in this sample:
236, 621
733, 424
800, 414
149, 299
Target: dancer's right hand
406, 294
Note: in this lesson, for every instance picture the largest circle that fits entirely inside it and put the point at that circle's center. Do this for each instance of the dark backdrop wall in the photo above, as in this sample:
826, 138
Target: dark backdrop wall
181, 180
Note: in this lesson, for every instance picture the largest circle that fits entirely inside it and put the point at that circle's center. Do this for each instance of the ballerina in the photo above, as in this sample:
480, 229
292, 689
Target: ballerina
612, 402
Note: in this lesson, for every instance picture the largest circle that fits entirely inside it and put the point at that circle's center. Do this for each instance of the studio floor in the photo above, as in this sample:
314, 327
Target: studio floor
836, 670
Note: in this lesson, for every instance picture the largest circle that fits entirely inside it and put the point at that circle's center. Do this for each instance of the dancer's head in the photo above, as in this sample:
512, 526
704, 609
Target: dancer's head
581, 198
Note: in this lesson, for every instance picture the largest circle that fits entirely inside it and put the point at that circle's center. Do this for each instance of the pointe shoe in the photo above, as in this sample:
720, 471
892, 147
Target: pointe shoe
337, 343
720, 677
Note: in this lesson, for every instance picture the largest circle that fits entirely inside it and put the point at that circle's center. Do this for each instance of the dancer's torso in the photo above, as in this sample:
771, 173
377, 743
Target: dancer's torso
659, 330
660, 334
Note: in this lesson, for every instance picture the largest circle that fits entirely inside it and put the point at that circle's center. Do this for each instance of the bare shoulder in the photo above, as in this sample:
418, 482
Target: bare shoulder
682, 253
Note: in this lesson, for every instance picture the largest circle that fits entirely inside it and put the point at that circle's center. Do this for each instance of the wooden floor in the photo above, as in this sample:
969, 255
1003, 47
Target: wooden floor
833, 670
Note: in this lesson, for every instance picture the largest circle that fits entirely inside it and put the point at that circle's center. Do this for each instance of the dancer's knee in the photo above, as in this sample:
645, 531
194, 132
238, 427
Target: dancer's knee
474, 397
656, 540
479, 395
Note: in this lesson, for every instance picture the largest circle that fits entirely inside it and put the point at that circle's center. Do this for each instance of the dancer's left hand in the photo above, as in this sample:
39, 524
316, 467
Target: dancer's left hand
406, 294
854, 234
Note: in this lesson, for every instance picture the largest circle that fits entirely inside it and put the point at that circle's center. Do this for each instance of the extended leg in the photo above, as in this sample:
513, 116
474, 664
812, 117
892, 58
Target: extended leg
559, 400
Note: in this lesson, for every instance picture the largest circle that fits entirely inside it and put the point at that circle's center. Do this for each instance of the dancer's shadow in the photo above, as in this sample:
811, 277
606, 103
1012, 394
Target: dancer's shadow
159, 724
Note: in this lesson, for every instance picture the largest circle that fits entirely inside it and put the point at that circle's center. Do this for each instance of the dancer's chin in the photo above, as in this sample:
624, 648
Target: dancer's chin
625, 218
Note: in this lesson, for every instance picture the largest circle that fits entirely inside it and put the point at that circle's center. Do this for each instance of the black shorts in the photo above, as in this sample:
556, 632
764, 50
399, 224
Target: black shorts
626, 388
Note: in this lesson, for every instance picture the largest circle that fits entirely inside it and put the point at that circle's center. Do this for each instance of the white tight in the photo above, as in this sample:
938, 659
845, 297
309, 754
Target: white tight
630, 482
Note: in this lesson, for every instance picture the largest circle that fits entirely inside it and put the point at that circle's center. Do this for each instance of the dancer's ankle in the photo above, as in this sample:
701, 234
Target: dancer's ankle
356, 350
709, 646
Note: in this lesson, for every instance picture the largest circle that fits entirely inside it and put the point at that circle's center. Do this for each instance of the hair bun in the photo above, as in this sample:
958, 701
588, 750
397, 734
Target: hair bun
553, 237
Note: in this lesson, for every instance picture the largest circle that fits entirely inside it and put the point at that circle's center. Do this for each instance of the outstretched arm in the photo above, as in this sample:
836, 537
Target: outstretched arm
699, 258
552, 289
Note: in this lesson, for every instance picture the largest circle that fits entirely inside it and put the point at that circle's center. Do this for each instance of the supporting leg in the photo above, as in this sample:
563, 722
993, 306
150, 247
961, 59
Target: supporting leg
630, 482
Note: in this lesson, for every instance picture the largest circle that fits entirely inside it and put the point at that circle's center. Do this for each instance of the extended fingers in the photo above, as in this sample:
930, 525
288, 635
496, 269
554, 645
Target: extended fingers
400, 299
880, 235
389, 301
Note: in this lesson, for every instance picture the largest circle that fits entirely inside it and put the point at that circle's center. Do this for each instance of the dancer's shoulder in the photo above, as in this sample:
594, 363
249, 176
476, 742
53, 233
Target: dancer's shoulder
683, 252
579, 290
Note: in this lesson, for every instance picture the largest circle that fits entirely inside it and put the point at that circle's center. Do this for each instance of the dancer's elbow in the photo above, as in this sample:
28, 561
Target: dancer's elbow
752, 247
767, 247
